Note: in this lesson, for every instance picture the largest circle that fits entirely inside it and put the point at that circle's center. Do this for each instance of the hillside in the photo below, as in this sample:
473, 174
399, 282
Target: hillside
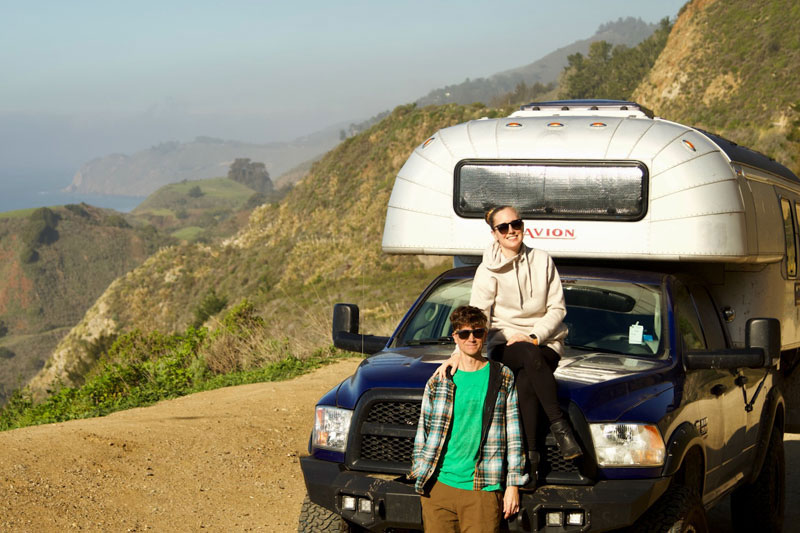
199, 210
320, 245
170, 162
628, 32
731, 68
55, 263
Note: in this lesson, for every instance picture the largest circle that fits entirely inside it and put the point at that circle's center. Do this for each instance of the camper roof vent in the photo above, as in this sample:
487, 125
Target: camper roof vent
584, 107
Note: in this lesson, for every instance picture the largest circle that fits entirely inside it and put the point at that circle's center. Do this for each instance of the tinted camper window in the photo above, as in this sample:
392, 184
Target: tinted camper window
790, 238
553, 189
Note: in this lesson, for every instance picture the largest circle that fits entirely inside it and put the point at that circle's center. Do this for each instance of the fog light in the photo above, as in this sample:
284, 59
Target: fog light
349, 503
364, 505
554, 518
575, 518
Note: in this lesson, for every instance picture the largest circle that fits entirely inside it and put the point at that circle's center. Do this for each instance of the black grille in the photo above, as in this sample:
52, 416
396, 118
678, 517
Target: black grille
404, 413
383, 438
554, 462
391, 449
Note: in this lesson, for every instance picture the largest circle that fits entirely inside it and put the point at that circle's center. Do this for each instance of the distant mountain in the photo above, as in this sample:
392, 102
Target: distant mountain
54, 263
170, 162
629, 32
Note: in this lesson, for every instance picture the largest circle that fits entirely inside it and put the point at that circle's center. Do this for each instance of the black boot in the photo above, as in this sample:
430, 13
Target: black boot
567, 444
533, 472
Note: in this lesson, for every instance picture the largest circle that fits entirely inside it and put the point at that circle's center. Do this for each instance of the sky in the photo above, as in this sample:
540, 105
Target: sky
83, 79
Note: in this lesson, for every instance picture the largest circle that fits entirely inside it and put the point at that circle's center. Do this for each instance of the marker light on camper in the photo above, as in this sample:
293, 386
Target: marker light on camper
553, 190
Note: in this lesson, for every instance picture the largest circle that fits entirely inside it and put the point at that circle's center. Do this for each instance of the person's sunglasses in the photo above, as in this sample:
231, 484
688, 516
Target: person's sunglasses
515, 224
464, 334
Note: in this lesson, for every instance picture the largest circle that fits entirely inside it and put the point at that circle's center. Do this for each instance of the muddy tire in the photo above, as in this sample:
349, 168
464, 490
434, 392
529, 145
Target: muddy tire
679, 510
759, 506
316, 519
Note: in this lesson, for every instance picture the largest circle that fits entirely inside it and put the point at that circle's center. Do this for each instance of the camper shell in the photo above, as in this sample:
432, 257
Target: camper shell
677, 251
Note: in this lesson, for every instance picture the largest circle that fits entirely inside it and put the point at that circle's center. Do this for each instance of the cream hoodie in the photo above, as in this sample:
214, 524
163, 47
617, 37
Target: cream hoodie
520, 295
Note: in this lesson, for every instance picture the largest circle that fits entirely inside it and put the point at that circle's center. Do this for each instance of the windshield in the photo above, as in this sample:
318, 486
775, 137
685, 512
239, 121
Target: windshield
615, 317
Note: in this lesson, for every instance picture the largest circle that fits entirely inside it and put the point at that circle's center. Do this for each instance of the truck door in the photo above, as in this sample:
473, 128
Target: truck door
719, 416
734, 405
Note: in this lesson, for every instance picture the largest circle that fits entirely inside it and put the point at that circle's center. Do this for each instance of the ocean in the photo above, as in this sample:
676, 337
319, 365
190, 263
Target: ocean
22, 191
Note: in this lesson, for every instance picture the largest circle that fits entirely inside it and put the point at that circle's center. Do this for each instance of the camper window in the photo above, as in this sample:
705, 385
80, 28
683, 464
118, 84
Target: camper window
553, 189
790, 238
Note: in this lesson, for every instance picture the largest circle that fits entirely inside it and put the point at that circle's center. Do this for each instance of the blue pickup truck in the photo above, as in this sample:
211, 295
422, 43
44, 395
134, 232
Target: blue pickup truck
678, 253
668, 423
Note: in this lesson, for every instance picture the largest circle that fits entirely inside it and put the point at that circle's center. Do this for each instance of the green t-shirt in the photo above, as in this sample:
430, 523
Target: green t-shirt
461, 456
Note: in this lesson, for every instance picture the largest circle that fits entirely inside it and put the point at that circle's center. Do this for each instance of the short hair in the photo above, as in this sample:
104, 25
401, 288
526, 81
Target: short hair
488, 216
467, 315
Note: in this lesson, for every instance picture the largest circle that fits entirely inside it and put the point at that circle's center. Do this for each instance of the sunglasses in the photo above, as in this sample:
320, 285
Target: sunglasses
515, 224
464, 334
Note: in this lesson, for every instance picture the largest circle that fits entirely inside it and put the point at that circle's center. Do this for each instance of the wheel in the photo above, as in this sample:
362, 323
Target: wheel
679, 510
758, 506
316, 519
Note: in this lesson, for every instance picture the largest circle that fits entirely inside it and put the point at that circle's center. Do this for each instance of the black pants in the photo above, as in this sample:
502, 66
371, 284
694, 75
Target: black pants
533, 368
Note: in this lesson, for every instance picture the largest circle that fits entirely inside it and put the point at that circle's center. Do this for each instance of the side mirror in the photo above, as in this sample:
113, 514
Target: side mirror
764, 334
762, 349
345, 332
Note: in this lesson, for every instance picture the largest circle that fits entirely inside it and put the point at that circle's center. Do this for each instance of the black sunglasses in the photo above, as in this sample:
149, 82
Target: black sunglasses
515, 224
464, 334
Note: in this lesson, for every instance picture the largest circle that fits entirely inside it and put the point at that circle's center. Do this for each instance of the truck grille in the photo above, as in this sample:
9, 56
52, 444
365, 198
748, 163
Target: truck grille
382, 438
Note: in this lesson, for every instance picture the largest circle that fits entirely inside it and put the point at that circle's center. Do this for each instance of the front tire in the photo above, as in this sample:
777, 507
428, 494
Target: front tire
759, 506
317, 519
679, 510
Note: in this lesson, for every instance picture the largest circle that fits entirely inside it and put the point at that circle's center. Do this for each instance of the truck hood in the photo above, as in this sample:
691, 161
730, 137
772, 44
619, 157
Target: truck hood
399, 368
604, 387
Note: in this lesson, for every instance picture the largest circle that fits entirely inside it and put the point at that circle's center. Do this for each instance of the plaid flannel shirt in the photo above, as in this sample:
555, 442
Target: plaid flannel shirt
501, 441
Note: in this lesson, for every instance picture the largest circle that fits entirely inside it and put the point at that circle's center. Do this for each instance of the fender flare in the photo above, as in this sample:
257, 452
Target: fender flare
773, 402
685, 437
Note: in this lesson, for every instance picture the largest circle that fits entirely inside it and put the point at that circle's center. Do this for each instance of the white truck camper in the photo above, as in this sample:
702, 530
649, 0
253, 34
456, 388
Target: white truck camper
606, 181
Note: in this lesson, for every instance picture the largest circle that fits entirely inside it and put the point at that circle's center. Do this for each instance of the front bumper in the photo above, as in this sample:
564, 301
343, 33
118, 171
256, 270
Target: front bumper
604, 506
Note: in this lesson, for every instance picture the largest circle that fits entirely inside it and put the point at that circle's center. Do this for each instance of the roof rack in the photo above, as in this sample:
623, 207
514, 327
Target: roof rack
584, 107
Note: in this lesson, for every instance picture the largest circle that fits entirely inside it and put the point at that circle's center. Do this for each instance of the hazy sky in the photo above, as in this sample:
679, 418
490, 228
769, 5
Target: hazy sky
109, 75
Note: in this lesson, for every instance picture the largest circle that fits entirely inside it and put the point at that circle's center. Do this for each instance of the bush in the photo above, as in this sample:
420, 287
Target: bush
3, 329
196, 192
6, 353
210, 306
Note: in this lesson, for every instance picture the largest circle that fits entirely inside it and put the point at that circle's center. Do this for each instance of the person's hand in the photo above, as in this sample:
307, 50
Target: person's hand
510, 501
451, 363
519, 337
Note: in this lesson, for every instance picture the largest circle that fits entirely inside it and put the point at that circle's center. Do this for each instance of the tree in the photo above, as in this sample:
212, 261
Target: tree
251, 174
196, 192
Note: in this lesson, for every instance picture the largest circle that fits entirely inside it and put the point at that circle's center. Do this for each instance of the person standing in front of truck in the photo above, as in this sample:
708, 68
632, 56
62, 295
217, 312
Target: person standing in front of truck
468, 437
519, 289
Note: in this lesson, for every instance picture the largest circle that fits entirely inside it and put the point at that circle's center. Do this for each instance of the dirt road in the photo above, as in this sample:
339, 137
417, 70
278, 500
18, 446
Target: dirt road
224, 460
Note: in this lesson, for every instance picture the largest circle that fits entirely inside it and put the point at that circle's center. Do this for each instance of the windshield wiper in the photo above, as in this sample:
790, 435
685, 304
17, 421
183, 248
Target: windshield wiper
596, 349
424, 342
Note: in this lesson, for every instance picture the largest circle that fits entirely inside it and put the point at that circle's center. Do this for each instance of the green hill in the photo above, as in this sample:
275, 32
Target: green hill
200, 210
54, 263
320, 245
731, 67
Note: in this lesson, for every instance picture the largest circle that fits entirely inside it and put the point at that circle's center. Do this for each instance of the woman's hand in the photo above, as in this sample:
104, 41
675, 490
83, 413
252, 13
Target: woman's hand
510, 501
519, 337
451, 363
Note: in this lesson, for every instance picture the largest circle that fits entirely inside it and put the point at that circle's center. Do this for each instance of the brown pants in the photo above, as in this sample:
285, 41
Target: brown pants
450, 510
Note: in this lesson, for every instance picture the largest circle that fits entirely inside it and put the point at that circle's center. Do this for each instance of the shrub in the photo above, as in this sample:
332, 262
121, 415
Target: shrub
6, 353
3, 329
196, 192
210, 306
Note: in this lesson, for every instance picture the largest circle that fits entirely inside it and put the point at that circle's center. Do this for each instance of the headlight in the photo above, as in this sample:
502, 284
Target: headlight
331, 426
627, 445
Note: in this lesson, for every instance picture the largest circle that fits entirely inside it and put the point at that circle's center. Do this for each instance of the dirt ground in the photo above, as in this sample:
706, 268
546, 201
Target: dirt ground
224, 460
